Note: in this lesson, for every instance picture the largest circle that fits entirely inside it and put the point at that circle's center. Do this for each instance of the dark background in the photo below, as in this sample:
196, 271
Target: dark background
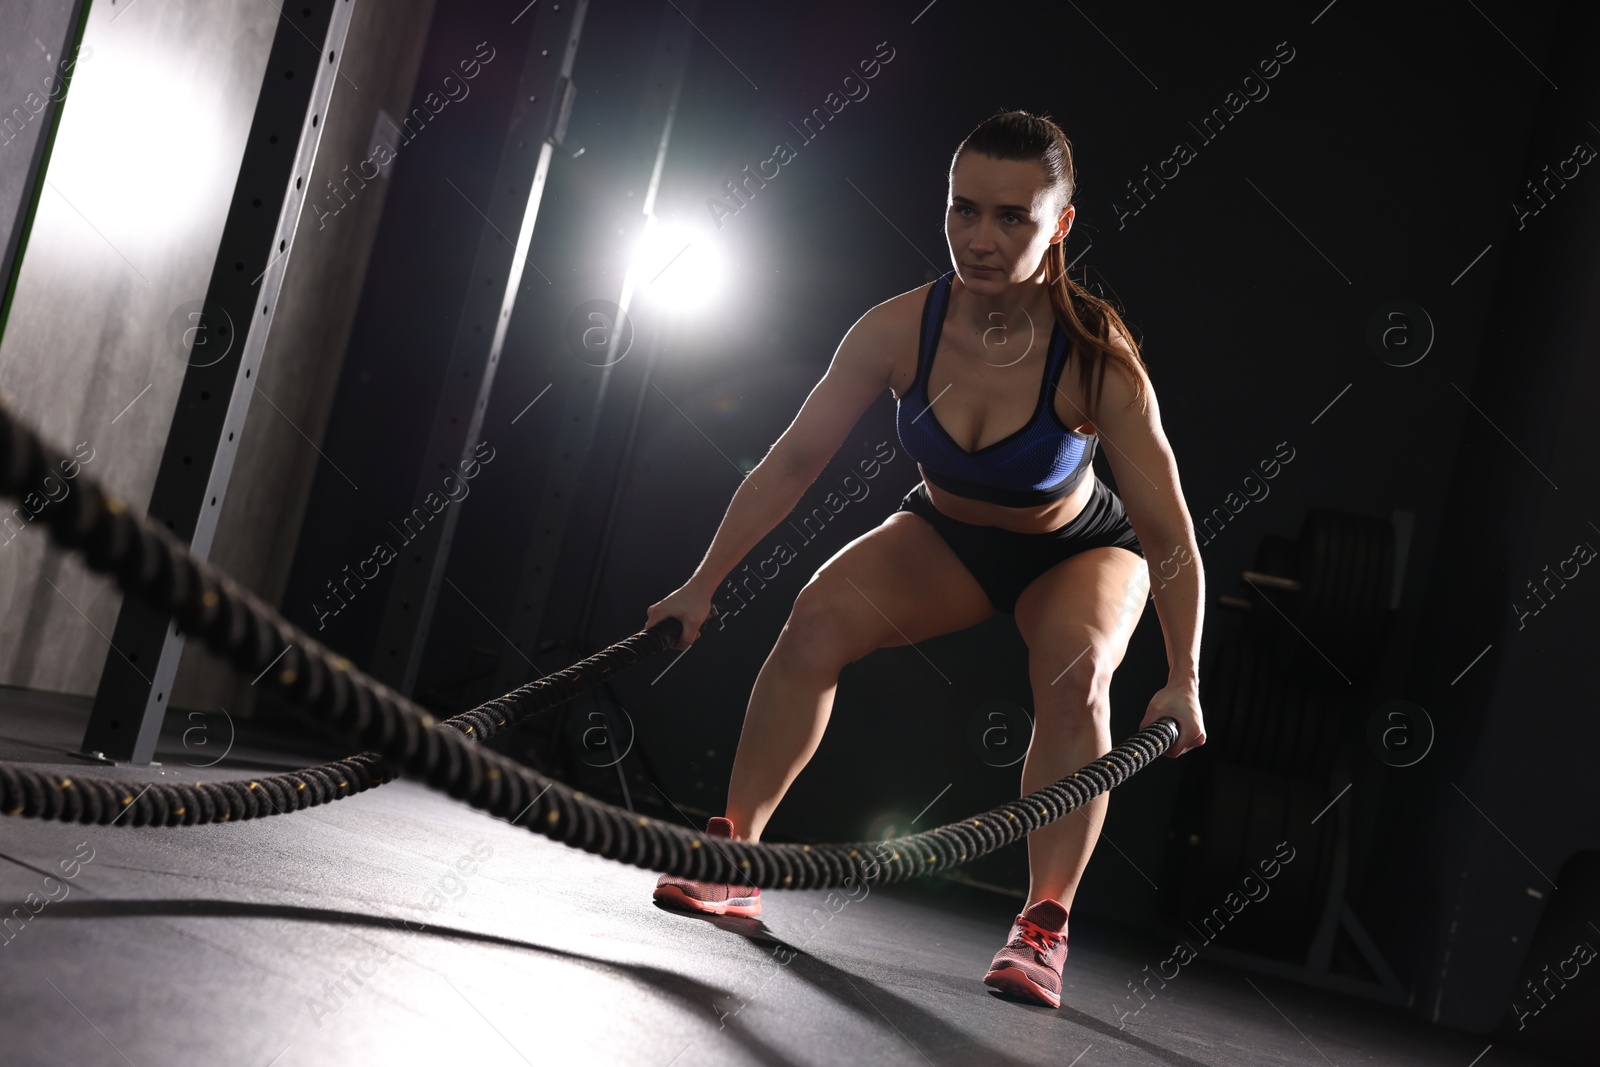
1383, 162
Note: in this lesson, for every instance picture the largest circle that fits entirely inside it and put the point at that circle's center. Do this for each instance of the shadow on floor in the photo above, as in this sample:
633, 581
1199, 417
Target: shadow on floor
937, 1037
686, 992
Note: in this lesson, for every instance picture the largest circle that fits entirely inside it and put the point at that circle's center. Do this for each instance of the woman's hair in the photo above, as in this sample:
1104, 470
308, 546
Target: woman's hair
1087, 319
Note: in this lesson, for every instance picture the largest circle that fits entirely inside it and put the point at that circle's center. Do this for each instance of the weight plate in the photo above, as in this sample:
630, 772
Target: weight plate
1269, 798
1312, 569
1214, 690
1251, 680
1297, 879
1292, 711
1368, 604
1369, 597
1221, 847
1386, 566
1220, 701
1380, 579
1229, 709
1271, 716
1330, 556
1339, 629
1337, 707
1302, 759
1326, 848
1354, 619
1275, 555
1381, 568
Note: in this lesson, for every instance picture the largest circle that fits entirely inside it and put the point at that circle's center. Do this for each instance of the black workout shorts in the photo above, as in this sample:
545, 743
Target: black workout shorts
1005, 562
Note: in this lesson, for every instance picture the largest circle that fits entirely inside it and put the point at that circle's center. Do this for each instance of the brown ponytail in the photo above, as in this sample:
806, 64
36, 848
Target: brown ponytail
1088, 320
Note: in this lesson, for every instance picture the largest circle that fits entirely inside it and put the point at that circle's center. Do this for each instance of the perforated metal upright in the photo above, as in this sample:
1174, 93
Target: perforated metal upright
228, 331
538, 126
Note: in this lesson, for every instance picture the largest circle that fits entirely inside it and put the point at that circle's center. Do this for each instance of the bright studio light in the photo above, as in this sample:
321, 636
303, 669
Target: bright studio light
677, 266
147, 179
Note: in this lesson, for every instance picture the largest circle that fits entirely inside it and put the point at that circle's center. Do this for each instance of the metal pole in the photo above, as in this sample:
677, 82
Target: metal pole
539, 124
576, 435
619, 483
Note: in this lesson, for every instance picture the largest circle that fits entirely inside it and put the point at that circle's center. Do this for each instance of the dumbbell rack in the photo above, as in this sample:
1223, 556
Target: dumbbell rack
1283, 697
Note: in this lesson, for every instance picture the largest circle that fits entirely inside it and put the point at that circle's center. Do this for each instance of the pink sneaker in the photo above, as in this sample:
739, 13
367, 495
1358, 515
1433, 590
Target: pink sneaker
712, 898
1030, 965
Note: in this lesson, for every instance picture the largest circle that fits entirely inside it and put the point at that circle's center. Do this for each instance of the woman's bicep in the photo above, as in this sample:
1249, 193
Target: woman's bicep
1140, 456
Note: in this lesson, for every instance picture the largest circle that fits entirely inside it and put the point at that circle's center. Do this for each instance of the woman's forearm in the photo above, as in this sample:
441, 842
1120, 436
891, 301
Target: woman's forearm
767, 494
1180, 601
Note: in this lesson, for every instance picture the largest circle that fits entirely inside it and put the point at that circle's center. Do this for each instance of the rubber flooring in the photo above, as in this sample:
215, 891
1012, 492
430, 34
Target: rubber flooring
401, 927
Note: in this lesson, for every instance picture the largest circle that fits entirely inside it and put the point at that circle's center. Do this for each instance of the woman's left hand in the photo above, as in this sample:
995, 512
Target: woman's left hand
1182, 703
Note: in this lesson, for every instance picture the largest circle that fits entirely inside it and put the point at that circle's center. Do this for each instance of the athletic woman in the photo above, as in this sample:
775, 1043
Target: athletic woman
1009, 516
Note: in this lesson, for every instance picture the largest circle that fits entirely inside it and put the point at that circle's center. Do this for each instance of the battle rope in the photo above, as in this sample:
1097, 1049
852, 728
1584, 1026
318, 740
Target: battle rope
334, 696
176, 804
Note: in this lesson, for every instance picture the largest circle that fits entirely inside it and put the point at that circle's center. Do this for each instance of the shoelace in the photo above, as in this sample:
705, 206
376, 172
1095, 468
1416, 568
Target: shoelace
1036, 937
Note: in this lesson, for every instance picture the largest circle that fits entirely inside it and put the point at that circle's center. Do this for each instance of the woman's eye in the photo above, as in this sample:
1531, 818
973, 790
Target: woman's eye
964, 211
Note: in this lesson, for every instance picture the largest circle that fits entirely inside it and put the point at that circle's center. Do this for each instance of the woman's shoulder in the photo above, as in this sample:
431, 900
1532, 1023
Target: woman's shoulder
900, 313
881, 345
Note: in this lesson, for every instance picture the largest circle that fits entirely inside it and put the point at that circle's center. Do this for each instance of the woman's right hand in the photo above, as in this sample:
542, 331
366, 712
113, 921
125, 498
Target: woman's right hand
688, 604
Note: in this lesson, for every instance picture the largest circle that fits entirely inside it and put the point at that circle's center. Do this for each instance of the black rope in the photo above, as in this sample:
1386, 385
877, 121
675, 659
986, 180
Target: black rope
332, 695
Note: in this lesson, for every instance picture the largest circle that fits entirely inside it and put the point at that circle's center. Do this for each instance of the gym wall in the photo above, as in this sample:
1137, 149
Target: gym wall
135, 197
1477, 835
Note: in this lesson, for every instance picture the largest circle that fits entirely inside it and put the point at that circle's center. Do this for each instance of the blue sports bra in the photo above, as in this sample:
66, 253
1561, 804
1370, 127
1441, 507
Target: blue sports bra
1043, 461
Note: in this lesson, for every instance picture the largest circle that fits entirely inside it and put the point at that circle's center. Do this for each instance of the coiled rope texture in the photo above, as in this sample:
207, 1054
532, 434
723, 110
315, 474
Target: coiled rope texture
334, 696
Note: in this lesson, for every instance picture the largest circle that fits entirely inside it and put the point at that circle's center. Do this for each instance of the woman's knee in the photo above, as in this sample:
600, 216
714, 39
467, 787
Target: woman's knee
1073, 681
822, 629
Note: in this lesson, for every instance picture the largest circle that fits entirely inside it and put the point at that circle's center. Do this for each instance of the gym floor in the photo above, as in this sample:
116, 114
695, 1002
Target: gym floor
400, 926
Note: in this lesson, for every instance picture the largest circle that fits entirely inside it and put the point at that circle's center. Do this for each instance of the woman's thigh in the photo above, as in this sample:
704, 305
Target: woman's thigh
896, 584
1077, 618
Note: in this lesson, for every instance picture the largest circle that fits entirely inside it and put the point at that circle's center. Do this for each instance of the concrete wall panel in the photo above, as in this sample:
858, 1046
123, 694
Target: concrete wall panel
133, 206
128, 226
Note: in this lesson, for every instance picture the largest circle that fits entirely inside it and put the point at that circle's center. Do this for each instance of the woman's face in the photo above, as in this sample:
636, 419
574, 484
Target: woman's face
1001, 215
